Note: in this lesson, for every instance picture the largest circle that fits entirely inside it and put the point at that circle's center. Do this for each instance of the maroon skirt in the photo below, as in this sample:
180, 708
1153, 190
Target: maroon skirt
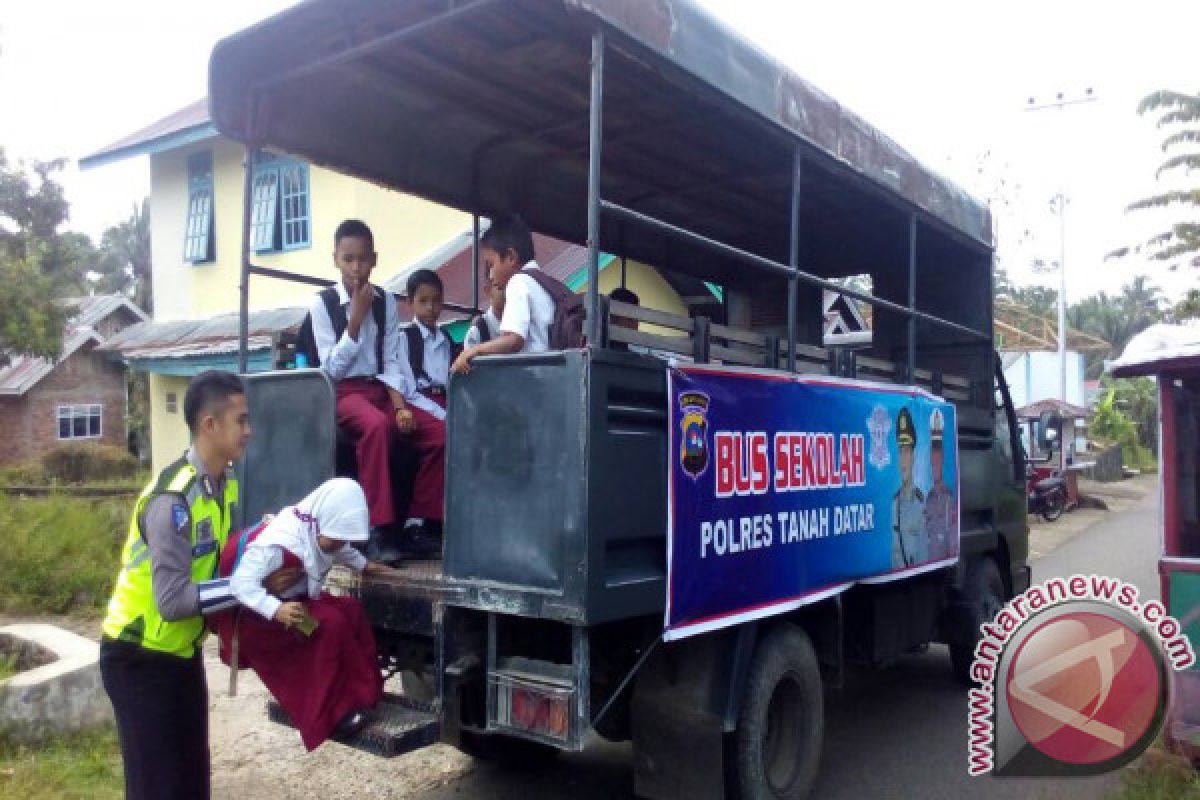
317, 679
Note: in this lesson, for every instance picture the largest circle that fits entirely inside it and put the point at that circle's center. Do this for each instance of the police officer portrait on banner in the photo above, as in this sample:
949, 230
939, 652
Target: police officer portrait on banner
909, 544
941, 506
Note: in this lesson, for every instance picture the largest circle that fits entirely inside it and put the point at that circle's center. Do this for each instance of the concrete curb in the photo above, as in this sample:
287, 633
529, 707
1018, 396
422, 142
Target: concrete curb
62, 696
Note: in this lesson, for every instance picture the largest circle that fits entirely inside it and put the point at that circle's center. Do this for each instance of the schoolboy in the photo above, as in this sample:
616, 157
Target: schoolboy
507, 253
486, 326
356, 331
424, 353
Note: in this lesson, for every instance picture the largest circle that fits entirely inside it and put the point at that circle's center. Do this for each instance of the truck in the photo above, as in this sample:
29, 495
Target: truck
579, 594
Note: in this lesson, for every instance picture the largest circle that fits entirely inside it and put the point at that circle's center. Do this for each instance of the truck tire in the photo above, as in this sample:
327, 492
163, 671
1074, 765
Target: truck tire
981, 598
508, 752
776, 748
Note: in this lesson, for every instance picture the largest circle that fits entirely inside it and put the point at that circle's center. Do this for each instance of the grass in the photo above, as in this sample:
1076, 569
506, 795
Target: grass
1159, 775
60, 553
8, 666
85, 765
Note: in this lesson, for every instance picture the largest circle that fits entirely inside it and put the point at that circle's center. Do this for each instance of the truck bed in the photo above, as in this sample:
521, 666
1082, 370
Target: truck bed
403, 601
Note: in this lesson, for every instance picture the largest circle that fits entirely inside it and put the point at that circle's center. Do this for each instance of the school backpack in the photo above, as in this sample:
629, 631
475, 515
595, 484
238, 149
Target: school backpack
416, 352
566, 328
306, 342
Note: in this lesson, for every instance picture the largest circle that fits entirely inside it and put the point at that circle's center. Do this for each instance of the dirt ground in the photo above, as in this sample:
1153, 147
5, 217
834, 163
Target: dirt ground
255, 758
1045, 537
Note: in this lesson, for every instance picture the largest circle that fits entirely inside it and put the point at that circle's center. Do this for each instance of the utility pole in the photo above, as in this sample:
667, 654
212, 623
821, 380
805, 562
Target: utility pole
1060, 102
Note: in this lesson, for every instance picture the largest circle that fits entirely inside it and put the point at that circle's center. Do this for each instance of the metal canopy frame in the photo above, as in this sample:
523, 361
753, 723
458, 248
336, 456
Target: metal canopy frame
598, 206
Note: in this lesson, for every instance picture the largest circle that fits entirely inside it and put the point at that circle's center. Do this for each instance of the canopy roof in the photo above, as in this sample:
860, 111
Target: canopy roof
1159, 349
485, 108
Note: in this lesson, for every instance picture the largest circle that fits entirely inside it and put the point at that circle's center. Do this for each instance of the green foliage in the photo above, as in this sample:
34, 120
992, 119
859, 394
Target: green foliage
1188, 307
123, 263
60, 553
84, 463
1179, 245
1116, 318
38, 265
77, 767
1111, 424
1159, 776
8, 666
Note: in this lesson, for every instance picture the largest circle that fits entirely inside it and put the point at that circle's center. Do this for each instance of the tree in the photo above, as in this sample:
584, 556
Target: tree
1180, 244
123, 263
1188, 307
38, 265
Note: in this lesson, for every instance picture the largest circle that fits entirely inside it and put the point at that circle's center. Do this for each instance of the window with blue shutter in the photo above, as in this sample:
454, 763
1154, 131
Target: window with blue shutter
280, 218
199, 241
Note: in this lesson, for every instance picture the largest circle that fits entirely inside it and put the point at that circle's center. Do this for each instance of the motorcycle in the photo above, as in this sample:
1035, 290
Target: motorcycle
1045, 495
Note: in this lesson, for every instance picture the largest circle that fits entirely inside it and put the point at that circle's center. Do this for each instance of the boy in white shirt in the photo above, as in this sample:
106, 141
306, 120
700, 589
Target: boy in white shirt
507, 253
424, 353
486, 327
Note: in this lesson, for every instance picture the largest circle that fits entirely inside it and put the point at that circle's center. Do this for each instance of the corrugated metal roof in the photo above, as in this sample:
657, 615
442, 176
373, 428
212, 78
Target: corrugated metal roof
1060, 407
23, 372
211, 335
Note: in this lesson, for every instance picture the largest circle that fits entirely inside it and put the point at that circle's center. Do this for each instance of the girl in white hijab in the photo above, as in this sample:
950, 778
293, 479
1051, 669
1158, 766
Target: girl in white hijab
325, 678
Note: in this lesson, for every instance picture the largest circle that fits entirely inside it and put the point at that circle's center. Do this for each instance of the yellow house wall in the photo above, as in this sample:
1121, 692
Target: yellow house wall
405, 228
651, 288
170, 434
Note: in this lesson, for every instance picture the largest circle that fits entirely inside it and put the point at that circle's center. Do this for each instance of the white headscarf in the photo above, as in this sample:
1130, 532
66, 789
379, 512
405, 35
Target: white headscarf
337, 509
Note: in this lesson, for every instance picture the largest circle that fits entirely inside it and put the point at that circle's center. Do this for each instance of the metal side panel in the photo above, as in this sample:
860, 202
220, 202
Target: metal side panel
292, 418
515, 476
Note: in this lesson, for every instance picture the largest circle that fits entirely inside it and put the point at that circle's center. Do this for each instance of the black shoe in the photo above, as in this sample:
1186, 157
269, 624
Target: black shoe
421, 540
351, 724
383, 546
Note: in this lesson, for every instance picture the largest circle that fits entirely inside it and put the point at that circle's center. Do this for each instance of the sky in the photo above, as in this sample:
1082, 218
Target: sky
949, 81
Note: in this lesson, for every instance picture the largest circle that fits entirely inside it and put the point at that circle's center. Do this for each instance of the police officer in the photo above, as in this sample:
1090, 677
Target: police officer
150, 658
941, 506
909, 545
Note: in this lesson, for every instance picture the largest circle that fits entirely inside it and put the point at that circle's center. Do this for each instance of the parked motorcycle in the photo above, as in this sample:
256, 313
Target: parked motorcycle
1046, 496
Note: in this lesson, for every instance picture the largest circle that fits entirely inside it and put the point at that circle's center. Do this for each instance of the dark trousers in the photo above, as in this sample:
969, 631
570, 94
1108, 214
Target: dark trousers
161, 705
430, 440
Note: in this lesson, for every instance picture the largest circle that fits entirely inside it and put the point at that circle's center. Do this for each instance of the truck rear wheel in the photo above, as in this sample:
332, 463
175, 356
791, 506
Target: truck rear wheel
777, 744
982, 597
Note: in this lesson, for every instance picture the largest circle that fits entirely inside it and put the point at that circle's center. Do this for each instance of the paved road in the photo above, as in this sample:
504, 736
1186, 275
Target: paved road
898, 733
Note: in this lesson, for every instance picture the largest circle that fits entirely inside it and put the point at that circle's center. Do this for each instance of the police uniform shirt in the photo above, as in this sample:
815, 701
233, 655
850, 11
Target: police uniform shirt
166, 525
436, 364
941, 520
910, 546
528, 311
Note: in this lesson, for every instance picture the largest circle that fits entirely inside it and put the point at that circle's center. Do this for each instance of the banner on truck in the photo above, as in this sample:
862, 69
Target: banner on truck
786, 489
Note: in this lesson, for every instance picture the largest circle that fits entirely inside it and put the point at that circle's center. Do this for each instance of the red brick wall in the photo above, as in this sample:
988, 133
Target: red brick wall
85, 377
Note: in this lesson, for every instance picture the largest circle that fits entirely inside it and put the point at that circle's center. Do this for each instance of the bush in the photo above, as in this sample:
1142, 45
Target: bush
61, 553
81, 463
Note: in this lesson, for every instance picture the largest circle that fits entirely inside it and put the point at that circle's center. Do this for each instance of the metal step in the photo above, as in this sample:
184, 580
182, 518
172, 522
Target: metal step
397, 726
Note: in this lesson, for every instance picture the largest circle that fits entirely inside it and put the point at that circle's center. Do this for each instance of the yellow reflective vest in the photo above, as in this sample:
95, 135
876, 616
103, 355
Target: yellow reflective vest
133, 614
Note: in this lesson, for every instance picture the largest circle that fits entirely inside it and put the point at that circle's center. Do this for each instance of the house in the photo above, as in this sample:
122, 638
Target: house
197, 197
78, 398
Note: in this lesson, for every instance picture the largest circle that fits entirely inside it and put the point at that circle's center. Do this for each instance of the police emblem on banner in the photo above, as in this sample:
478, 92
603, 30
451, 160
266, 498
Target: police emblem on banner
880, 425
693, 447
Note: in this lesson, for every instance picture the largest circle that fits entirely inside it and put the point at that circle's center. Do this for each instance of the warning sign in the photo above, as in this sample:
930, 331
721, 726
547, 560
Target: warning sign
844, 323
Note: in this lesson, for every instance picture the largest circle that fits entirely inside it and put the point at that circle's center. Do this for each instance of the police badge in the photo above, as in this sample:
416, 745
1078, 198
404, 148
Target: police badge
693, 448
880, 425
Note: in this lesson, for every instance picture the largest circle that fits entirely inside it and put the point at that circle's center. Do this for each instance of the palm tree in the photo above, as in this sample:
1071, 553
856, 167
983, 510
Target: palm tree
125, 255
1180, 245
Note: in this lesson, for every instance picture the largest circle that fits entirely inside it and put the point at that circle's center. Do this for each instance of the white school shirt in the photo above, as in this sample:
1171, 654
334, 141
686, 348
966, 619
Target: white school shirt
493, 325
257, 563
437, 366
528, 311
346, 358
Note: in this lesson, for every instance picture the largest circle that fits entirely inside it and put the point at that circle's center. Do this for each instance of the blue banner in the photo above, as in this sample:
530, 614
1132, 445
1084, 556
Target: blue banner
786, 489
